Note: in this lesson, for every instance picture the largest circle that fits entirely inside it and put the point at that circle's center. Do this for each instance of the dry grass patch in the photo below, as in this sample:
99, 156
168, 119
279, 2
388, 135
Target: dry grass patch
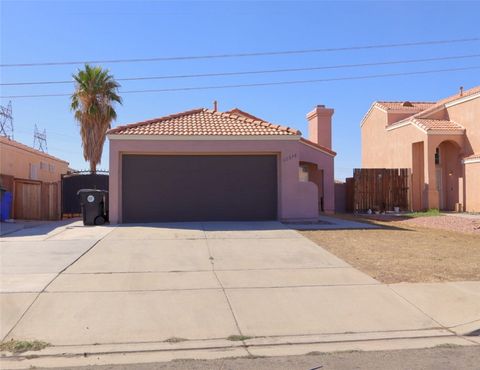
175, 340
20, 346
405, 253
236, 338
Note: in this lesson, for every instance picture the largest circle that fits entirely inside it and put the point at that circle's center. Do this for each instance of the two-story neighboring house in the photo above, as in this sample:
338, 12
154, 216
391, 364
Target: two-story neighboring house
440, 143
33, 177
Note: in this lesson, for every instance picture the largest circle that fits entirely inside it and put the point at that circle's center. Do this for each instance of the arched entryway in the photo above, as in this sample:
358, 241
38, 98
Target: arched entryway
448, 170
310, 172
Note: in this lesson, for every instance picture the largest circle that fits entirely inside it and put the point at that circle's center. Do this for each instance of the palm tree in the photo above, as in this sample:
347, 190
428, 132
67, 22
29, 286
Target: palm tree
96, 93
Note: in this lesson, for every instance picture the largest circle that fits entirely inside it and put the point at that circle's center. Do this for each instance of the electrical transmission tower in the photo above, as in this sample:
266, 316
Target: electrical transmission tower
6, 120
40, 140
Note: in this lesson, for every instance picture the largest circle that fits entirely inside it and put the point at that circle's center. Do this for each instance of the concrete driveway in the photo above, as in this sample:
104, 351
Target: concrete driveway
197, 281
33, 257
142, 289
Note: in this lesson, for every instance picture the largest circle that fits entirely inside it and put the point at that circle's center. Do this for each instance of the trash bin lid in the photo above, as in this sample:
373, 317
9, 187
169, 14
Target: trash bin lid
83, 191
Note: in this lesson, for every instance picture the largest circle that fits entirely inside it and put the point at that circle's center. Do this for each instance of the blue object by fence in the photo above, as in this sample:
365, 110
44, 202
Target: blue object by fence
5, 205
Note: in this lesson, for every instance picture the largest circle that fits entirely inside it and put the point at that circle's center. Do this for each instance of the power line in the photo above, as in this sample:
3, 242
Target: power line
50, 133
241, 55
295, 82
219, 74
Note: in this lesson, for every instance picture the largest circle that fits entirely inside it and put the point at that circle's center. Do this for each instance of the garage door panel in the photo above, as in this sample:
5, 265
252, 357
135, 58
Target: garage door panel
199, 188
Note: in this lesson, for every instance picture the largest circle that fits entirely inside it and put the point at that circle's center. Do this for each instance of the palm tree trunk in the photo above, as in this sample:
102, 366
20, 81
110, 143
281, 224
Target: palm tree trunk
93, 167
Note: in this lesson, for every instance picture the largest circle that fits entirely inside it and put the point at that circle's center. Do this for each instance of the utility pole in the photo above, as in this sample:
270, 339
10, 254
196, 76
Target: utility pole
40, 140
6, 120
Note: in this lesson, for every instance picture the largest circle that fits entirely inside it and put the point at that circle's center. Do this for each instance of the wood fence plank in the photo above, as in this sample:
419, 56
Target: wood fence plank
34, 200
381, 189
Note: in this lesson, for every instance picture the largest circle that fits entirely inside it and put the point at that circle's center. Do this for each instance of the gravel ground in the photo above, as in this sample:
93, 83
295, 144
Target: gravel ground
451, 223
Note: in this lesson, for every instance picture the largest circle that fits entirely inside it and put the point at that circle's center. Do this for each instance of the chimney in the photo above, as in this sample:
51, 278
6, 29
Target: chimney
320, 126
461, 90
215, 106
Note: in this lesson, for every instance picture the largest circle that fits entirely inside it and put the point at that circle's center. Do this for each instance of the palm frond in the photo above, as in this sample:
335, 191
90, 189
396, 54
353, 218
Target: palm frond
93, 102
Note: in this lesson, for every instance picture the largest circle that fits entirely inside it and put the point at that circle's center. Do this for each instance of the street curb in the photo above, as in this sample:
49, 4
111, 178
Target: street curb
218, 348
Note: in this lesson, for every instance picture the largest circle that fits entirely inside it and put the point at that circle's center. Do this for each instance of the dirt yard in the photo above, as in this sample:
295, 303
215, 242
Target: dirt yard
403, 251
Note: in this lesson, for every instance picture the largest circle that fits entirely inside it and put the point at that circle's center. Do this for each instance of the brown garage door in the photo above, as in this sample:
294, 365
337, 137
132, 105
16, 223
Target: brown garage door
199, 187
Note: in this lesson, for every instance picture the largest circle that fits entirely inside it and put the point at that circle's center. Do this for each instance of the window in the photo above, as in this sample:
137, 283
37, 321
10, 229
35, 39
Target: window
437, 156
43, 166
51, 167
303, 173
33, 171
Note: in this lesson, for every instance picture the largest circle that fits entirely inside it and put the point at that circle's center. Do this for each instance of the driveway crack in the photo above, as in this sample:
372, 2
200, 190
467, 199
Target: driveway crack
212, 262
50, 283
440, 325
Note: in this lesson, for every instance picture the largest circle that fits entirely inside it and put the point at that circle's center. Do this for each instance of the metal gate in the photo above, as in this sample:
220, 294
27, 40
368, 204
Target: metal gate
73, 182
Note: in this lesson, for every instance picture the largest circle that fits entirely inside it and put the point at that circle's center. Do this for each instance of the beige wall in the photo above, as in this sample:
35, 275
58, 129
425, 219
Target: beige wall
472, 187
16, 160
373, 135
418, 175
467, 114
387, 149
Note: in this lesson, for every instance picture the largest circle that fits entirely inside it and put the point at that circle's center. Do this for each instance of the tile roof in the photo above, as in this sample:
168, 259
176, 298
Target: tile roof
442, 102
318, 146
423, 109
437, 124
240, 112
465, 93
204, 122
405, 105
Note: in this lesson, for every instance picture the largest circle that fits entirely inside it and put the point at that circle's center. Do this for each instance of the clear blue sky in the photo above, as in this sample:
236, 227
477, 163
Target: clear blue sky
63, 31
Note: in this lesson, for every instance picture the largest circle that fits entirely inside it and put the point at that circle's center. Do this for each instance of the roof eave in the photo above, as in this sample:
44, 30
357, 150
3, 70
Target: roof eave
318, 147
201, 137
462, 99
445, 132
21, 146
374, 105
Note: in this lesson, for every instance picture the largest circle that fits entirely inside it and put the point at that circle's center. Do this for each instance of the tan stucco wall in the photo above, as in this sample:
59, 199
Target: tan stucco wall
387, 149
468, 115
472, 187
15, 160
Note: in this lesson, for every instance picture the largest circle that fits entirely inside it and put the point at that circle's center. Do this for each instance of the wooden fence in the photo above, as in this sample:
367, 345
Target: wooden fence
379, 189
35, 200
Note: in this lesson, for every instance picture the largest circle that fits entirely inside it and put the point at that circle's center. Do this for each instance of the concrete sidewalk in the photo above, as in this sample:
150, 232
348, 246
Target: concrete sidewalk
135, 288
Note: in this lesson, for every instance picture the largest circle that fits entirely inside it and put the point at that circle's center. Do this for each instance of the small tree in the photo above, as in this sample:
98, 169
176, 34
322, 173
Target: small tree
93, 100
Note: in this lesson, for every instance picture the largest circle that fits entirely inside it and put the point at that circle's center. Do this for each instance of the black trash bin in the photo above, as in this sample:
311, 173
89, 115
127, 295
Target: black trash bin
94, 204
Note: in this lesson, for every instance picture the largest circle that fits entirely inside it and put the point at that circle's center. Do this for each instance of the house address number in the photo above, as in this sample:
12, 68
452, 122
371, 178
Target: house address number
289, 157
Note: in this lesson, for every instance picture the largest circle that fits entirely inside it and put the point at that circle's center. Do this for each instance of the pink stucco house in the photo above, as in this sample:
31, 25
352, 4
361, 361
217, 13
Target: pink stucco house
209, 165
33, 177
439, 141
